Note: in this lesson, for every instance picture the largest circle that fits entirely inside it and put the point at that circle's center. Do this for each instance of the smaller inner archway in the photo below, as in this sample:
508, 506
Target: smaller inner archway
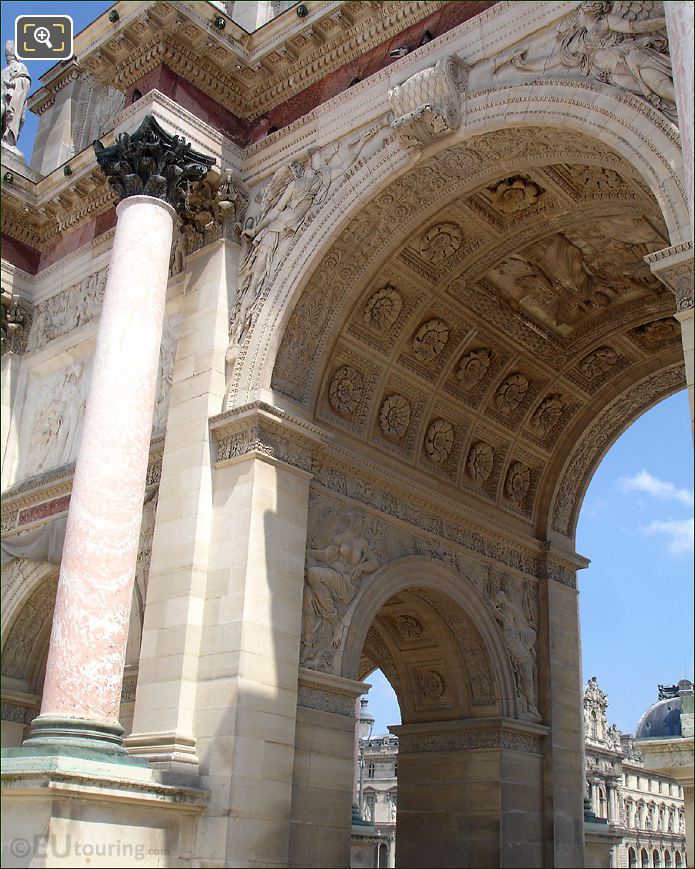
469, 778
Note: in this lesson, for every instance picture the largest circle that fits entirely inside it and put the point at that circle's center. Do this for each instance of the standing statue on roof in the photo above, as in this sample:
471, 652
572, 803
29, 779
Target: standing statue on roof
15, 90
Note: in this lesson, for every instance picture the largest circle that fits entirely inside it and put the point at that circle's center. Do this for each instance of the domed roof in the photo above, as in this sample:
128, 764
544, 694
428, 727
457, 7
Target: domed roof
663, 719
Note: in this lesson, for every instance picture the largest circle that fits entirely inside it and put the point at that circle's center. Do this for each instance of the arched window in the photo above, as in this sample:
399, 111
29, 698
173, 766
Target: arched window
602, 808
370, 770
679, 862
370, 805
644, 858
631, 858
667, 859
656, 859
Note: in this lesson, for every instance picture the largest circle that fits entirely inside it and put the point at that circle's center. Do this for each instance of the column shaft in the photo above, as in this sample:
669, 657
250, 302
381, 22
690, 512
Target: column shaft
90, 624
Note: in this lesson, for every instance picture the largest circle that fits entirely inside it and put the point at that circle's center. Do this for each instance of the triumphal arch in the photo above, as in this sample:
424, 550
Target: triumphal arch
307, 363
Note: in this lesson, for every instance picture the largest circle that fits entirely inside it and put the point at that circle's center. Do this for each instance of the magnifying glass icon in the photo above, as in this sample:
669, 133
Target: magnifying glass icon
43, 36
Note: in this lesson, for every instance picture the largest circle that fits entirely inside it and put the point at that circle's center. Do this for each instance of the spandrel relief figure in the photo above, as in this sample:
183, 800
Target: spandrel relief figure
333, 574
167, 358
56, 426
291, 193
520, 640
15, 90
621, 43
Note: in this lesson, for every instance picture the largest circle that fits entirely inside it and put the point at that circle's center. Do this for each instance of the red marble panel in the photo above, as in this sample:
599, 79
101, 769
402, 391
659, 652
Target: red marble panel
77, 238
43, 511
449, 16
20, 254
194, 100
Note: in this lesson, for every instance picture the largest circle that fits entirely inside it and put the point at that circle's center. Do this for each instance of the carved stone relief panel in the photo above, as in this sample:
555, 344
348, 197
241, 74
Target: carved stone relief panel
67, 310
515, 606
167, 357
433, 687
615, 43
52, 417
656, 335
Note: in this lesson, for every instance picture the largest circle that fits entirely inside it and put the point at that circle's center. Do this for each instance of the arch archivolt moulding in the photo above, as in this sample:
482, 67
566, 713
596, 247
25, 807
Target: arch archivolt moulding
357, 559
369, 205
21, 578
599, 436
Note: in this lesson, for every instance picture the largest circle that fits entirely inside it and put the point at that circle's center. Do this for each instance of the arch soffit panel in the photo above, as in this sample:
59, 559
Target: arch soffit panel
414, 572
21, 580
624, 123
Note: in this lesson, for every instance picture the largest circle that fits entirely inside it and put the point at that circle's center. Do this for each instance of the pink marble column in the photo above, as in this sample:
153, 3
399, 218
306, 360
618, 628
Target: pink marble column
90, 625
149, 171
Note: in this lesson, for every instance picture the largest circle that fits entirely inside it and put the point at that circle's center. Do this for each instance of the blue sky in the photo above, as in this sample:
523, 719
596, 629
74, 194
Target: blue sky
636, 525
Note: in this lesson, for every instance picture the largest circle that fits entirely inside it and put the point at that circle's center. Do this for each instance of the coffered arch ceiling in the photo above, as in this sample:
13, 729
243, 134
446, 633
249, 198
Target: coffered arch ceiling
479, 341
433, 656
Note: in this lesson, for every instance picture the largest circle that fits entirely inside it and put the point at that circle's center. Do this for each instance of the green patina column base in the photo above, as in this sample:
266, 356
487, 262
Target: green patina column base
57, 735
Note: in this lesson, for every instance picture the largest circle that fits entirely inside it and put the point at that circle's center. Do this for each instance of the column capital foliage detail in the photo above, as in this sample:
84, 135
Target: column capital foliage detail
152, 162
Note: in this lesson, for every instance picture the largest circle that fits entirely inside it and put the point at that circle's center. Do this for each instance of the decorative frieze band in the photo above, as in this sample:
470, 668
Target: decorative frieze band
470, 735
262, 429
20, 501
328, 693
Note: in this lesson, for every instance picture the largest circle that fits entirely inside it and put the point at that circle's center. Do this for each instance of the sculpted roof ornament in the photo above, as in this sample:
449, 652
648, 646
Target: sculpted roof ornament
152, 162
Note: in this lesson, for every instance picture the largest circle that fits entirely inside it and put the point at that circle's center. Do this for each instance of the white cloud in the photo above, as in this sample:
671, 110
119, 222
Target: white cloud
680, 534
643, 481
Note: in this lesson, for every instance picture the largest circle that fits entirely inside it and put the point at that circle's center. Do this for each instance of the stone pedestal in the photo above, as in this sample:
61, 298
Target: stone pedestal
82, 808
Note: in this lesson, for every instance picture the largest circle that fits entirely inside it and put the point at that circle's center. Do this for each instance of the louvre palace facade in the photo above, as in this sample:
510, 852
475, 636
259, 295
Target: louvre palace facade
317, 320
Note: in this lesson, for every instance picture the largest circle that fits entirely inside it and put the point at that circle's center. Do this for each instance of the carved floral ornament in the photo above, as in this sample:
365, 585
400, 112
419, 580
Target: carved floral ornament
432, 684
430, 339
518, 481
394, 416
382, 309
598, 362
473, 367
440, 242
345, 390
480, 462
439, 440
548, 414
514, 194
511, 393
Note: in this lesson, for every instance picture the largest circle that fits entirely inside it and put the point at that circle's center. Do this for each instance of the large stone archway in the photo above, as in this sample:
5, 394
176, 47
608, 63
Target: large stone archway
461, 357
